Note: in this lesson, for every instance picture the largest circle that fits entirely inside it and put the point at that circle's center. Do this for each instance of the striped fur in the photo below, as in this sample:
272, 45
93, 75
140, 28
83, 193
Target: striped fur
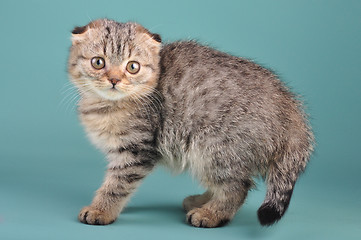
190, 107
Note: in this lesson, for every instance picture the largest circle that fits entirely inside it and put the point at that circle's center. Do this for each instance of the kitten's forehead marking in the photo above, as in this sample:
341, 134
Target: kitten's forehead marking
115, 38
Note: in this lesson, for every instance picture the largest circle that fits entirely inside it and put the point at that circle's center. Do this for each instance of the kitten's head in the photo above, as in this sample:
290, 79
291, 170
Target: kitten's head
114, 60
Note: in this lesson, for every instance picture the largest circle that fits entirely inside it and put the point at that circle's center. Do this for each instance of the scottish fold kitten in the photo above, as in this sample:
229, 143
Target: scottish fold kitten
190, 107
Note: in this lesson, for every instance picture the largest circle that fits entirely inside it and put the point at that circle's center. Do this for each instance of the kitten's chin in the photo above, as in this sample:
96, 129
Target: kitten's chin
110, 94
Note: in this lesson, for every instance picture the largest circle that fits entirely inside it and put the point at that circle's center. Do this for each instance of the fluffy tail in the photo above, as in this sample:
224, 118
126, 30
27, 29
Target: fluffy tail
289, 161
281, 178
274, 206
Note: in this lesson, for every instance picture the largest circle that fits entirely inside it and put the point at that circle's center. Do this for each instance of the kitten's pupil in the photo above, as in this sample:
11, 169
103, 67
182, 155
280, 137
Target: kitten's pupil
132, 66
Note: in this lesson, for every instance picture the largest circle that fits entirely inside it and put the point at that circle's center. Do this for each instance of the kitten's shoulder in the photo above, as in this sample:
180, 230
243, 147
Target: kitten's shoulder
180, 47
188, 51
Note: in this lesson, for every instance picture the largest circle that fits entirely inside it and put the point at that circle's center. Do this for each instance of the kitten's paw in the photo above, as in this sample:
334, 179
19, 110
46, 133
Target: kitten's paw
203, 217
92, 216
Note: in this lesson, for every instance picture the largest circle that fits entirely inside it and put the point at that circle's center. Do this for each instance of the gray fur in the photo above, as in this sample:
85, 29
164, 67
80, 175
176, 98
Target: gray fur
223, 118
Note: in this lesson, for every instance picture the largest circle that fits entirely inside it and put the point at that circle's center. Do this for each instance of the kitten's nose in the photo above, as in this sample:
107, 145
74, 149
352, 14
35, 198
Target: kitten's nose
114, 81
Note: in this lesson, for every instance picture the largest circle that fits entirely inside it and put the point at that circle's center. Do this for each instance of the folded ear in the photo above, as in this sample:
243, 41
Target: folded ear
154, 36
79, 34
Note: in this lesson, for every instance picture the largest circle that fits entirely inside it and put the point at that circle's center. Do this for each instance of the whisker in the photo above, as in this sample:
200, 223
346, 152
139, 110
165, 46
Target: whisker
66, 85
133, 98
76, 101
139, 100
155, 107
72, 95
153, 96
66, 98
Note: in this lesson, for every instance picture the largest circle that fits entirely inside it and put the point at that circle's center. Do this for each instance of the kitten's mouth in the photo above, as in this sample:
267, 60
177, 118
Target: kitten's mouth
113, 89
113, 92
110, 93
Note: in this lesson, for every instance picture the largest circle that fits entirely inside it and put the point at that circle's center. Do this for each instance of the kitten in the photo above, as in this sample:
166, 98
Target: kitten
223, 118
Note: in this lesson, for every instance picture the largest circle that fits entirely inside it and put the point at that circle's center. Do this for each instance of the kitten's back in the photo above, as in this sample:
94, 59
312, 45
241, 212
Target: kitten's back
208, 89
232, 120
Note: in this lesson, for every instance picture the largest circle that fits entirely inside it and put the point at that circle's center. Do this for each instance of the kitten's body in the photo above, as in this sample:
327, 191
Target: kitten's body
223, 118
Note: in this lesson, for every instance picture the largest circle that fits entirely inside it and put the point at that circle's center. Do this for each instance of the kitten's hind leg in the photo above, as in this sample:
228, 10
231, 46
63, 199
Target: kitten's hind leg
196, 201
221, 207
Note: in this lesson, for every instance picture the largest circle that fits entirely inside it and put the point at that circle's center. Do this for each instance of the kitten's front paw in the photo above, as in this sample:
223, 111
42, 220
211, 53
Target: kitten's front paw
92, 216
203, 217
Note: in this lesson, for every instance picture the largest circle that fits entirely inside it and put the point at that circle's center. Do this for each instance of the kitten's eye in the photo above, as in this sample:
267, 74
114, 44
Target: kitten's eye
133, 67
98, 62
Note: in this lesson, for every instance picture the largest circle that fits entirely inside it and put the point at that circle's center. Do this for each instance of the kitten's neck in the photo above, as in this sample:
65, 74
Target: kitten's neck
93, 103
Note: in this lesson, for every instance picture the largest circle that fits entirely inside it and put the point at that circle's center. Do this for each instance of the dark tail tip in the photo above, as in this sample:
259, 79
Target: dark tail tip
268, 214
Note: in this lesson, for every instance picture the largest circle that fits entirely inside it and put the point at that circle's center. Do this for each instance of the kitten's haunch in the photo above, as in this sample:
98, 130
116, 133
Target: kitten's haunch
190, 107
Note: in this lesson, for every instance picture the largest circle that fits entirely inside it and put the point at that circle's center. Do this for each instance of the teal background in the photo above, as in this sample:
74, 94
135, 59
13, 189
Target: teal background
49, 170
